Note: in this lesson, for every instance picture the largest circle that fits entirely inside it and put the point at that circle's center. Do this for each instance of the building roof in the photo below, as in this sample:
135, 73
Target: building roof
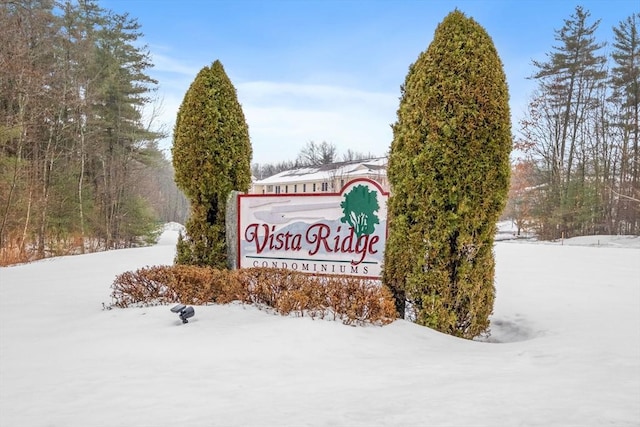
350, 169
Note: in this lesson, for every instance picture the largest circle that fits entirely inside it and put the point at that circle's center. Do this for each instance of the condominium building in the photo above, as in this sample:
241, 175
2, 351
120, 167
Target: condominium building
328, 178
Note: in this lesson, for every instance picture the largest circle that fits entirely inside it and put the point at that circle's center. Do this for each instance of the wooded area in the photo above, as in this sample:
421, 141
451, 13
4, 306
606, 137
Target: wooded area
581, 170
80, 169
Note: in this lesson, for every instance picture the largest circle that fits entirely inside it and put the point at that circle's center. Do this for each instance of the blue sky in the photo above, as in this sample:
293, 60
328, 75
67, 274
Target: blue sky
332, 70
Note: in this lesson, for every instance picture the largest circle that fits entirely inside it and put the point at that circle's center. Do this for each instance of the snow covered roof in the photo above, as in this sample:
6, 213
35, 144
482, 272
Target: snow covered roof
350, 169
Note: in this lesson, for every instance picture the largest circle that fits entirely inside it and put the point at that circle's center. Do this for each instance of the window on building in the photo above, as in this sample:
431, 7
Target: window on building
304, 188
277, 189
314, 187
295, 188
286, 188
325, 186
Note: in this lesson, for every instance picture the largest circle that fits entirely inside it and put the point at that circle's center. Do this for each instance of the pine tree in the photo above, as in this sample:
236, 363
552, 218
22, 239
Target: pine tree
122, 88
449, 175
570, 83
212, 157
625, 81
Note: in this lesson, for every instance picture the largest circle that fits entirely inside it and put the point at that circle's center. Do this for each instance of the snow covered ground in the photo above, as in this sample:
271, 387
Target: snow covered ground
565, 351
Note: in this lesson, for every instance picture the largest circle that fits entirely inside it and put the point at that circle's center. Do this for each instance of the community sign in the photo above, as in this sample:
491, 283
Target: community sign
327, 233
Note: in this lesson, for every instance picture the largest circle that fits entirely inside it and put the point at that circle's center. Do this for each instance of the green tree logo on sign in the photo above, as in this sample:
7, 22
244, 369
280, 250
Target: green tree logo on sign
359, 207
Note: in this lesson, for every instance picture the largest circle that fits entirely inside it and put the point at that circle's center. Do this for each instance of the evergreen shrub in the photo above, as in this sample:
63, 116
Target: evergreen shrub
449, 175
212, 157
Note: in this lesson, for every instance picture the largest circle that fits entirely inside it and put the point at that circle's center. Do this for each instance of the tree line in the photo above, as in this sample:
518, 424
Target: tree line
80, 168
580, 173
312, 154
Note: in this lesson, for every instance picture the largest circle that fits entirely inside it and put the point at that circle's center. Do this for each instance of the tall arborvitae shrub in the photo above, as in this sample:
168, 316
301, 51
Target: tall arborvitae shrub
212, 157
449, 175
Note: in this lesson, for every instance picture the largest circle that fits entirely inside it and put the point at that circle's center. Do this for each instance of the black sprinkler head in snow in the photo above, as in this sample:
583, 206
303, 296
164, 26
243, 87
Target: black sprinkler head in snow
184, 312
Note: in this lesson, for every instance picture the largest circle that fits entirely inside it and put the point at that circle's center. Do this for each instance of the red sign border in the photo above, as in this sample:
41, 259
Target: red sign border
339, 193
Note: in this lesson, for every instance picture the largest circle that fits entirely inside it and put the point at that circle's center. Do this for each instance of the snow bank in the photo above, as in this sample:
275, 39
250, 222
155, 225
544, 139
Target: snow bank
565, 351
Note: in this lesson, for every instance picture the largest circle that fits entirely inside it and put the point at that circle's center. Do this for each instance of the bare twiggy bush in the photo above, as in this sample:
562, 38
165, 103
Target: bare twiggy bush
352, 300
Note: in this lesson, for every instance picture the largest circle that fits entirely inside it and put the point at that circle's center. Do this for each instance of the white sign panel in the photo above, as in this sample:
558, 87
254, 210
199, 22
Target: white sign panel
337, 233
